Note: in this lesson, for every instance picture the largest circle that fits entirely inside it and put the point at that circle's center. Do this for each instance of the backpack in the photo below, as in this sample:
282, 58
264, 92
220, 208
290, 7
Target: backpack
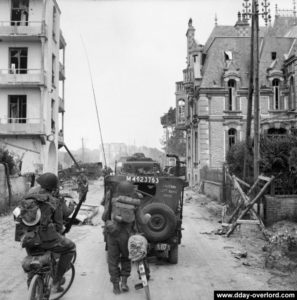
35, 212
122, 210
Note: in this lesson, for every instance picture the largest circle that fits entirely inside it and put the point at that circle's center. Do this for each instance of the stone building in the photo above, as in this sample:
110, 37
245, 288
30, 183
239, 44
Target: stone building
32, 74
211, 100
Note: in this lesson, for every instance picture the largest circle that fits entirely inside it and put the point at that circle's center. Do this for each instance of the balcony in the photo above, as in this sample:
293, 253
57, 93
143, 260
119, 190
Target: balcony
21, 126
179, 87
22, 78
189, 79
61, 71
26, 31
61, 105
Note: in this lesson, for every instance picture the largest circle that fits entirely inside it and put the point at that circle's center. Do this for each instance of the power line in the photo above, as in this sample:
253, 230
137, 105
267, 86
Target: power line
95, 101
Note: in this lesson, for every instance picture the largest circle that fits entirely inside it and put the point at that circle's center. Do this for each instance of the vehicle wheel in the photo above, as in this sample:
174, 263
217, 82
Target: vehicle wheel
173, 254
69, 277
162, 223
35, 288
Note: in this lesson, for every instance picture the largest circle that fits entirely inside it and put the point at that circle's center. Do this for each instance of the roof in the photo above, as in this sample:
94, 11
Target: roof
228, 38
214, 66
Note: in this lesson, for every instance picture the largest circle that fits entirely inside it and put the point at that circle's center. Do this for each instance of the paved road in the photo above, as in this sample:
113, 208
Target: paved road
205, 264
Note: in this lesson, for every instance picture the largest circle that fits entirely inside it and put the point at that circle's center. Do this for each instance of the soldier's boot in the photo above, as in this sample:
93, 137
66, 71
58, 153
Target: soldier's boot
116, 288
124, 285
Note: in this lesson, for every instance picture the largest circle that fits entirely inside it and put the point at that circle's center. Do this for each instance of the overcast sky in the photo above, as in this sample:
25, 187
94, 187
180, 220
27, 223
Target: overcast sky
137, 51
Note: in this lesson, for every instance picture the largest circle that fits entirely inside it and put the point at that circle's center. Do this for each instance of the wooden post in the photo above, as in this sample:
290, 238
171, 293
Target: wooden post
257, 97
250, 98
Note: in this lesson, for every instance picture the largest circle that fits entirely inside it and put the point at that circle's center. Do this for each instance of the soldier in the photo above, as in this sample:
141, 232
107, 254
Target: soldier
119, 216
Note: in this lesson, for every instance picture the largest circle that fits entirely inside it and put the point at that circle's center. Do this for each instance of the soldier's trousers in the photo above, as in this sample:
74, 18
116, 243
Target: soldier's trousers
119, 263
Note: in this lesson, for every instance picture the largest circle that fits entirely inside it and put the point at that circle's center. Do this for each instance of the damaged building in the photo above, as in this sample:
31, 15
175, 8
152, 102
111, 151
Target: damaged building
32, 74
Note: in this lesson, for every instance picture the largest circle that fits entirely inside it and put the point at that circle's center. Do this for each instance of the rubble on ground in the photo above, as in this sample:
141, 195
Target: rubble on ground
281, 249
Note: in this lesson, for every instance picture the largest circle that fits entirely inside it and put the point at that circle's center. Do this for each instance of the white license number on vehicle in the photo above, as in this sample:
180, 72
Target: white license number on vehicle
144, 179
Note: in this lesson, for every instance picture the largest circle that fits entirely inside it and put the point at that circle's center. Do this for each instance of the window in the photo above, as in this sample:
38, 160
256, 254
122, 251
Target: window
273, 55
196, 147
19, 12
53, 70
18, 60
231, 94
276, 132
292, 94
181, 112
276, 102
54, 22
232, 137
17, 109
53, 125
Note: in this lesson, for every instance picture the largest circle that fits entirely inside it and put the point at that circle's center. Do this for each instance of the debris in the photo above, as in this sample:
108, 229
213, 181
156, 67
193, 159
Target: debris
239, 254
246, 264
206, 232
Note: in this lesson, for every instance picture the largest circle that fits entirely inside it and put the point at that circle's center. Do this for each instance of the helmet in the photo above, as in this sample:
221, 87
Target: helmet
125, 188
48, 181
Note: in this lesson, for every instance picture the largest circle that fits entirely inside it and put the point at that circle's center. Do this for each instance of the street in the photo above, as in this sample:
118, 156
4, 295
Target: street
205, 263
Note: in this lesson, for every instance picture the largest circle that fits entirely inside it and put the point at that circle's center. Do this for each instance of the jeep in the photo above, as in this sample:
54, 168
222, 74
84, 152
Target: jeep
162, 198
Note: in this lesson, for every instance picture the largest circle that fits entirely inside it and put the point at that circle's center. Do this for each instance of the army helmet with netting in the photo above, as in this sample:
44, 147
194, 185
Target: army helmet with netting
48, 181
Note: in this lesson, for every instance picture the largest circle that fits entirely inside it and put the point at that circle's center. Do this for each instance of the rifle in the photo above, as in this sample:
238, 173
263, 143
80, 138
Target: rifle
83, 190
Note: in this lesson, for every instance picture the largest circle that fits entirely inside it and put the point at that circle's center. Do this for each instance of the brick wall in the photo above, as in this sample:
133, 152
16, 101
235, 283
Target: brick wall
277, 208
217, 144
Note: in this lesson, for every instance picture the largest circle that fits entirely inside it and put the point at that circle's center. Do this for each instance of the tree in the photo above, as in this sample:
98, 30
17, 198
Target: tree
7, 158
176, 143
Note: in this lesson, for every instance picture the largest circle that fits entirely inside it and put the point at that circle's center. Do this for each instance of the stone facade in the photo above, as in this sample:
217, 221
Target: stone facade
211, 100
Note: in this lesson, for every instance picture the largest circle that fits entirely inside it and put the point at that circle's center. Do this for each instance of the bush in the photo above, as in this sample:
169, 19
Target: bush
7, 158
277, 154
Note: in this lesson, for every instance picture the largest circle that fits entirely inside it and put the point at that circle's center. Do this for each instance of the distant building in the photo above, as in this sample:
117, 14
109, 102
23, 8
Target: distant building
32, 74
211, 100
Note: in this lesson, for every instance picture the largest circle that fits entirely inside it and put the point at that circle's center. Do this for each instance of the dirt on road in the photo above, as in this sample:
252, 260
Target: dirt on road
207, 261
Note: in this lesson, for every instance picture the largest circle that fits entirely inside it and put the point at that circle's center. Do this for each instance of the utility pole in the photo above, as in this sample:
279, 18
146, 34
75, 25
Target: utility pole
82, 150
255, 70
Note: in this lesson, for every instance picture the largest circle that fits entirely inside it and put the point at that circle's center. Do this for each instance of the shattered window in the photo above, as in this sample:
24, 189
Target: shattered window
18, 60
17, 109
19, 12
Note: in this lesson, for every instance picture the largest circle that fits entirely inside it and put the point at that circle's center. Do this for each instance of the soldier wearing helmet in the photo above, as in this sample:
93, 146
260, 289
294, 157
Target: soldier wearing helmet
119, 217
50, 233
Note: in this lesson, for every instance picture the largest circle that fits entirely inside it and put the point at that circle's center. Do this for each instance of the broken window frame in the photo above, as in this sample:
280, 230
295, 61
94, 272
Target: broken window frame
17, 108
19, 12
19, 60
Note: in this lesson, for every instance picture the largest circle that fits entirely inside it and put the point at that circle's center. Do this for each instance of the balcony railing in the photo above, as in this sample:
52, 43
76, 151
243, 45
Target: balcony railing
179, 87
22, 28
61, 71
12, 77
21, 126
189, 75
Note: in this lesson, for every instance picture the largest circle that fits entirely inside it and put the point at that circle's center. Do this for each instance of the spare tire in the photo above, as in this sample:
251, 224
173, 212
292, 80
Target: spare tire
162, 224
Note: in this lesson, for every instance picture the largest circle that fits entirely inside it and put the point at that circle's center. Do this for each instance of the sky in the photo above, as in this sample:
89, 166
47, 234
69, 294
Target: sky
137, 51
